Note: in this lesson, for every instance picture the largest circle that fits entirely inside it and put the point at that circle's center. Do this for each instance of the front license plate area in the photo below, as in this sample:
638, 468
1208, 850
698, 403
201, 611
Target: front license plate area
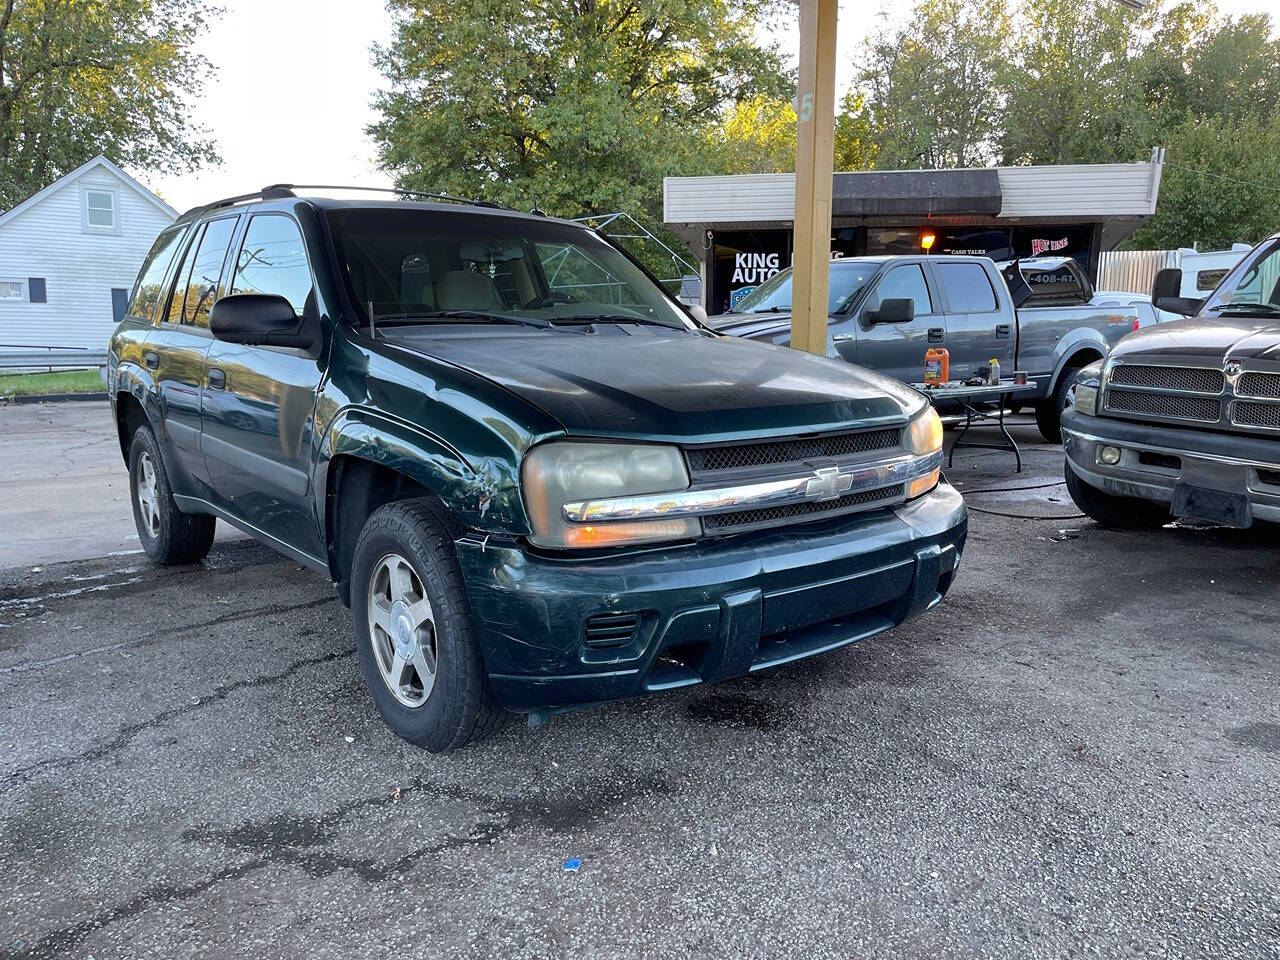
1215, 506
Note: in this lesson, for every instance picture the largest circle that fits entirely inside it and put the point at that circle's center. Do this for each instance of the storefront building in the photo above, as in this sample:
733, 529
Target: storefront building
740, 227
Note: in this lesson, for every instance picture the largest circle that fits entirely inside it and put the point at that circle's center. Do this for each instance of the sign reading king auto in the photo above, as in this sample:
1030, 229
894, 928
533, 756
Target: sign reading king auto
755, 268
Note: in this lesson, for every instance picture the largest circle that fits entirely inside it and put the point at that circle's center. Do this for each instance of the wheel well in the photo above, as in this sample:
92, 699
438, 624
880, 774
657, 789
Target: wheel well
129, 417
1081, 358
356, 488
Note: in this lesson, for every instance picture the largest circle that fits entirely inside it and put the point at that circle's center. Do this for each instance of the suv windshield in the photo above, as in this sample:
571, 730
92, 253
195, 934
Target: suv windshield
848, 277
423, 266
1252, 288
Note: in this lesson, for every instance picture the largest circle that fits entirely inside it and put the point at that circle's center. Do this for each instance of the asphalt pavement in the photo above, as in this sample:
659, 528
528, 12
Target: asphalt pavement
1075, 755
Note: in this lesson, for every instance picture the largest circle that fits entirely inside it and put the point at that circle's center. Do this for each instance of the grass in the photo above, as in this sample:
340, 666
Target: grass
66, 381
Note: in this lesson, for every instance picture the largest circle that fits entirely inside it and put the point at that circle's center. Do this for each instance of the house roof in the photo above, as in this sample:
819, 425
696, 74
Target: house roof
67, 178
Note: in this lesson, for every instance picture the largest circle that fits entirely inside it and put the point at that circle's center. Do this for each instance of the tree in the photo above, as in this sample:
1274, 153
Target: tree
82, 77
758, 136
1072, 93
580, 105
931, 88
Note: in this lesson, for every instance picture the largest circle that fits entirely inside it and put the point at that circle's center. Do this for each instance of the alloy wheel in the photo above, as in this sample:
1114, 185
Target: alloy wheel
402, 630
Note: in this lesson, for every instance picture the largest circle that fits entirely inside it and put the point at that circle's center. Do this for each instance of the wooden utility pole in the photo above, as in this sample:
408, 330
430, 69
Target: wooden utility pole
815, 146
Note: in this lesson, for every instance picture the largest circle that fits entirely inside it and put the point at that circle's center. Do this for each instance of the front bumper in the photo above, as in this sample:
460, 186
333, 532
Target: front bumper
1230, 463
706, 611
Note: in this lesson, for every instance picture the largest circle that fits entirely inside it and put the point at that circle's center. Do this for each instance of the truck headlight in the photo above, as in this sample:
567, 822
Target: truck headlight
566, 471
923, 437
1088, 383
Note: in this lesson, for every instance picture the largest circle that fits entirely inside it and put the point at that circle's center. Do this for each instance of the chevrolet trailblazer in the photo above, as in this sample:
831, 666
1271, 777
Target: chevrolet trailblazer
536, 480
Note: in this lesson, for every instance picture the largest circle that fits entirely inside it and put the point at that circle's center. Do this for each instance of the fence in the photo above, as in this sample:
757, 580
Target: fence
1133, 271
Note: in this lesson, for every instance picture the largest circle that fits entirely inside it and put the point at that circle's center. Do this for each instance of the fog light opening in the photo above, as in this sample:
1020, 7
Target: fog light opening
1109, 455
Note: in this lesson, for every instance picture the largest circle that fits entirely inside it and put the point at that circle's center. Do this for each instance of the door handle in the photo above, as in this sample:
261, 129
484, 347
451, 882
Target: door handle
1003, 331
937, 334
842, 338
151, 359
217, 379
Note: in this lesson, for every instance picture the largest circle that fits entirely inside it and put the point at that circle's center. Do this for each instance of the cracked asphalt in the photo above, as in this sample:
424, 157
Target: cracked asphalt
1077, 754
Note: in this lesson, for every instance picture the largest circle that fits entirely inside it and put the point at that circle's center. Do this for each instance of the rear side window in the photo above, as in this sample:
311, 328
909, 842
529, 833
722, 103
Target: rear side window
273, 259
149, 290
1059, 285
198, 279
968, 287
903, 283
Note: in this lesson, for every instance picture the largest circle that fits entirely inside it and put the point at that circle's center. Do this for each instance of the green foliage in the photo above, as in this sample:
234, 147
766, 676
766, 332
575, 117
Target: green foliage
36, 384
82, 77
929, 85
1065, 81
580, 105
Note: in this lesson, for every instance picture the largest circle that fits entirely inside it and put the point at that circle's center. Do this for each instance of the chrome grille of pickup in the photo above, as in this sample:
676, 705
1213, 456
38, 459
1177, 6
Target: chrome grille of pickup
1174, 406
1187, 379
1247, 414
813, 510
1259, 385
768, 453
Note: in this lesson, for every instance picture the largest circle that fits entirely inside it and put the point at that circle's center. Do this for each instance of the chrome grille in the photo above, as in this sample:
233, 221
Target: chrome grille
1259, 385
811, 510
794, 450
1174, 406
1256, 415
1188, 379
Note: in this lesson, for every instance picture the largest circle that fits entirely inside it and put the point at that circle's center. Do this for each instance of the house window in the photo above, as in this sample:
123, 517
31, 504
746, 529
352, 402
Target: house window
100, 210
12, 290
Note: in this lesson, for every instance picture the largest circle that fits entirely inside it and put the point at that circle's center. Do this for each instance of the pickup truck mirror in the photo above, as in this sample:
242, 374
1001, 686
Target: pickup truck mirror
261, 319
1166, 294
893, 310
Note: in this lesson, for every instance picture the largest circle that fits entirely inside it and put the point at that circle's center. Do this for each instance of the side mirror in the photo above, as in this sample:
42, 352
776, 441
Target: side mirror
1166, 294
697, 312
893, 310
261, 320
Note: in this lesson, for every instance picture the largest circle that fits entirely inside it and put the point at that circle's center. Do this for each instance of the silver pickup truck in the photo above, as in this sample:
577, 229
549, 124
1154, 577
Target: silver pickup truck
1040, 315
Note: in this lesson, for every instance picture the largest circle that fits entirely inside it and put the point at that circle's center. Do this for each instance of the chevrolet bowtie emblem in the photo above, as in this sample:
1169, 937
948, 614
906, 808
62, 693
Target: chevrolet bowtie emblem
828, 483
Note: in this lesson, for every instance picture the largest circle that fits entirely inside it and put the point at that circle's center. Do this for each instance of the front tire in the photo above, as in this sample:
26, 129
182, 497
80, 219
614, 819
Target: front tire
1049, 410
1118, 513
168, 535
414, 634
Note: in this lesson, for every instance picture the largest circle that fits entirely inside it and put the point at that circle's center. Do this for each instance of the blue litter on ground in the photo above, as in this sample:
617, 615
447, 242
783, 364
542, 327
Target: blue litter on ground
571, 865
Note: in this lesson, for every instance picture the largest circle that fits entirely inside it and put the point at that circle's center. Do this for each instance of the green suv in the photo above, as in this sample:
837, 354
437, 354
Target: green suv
538, 482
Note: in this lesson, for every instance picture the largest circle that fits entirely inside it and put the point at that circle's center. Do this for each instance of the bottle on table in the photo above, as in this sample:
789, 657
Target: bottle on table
937, 366
993, 377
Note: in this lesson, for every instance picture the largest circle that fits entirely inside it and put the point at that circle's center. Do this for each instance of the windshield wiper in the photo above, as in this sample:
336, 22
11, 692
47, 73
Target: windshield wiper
771, 309
476, 316
614, 318
1262, 309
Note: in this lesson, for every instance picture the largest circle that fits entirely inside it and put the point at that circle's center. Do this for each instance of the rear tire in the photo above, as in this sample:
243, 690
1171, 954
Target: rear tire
168, 535
414, 632
1049, 410
1118, 513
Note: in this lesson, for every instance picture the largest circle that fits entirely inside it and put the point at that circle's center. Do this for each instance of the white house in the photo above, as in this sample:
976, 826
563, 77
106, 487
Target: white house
69, 255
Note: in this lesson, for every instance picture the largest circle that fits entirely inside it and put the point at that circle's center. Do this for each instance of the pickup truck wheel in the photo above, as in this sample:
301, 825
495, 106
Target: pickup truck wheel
1120, 513
168, 535
414, 633
1049, 410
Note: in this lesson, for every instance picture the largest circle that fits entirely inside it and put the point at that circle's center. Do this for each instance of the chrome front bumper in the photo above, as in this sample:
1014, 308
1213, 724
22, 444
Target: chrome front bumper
1147, 469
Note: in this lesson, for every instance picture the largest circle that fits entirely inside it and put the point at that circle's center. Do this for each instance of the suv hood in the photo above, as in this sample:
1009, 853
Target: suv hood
750, 324
1204, 338
680, 387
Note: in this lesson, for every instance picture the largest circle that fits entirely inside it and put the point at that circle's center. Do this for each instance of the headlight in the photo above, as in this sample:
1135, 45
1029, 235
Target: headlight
563, 472
1088, 383
923, 437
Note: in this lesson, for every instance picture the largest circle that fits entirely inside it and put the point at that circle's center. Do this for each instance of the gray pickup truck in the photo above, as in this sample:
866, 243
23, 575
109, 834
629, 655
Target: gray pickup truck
1040, 315
1184, 421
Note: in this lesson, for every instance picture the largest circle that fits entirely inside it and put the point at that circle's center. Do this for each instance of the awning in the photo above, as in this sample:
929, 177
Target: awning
916, 192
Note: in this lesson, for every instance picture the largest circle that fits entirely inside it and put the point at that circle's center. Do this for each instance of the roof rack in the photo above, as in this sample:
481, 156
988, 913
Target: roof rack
280, 191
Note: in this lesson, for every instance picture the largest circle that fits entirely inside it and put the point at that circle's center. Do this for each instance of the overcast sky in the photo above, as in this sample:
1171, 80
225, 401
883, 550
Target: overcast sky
291, 96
